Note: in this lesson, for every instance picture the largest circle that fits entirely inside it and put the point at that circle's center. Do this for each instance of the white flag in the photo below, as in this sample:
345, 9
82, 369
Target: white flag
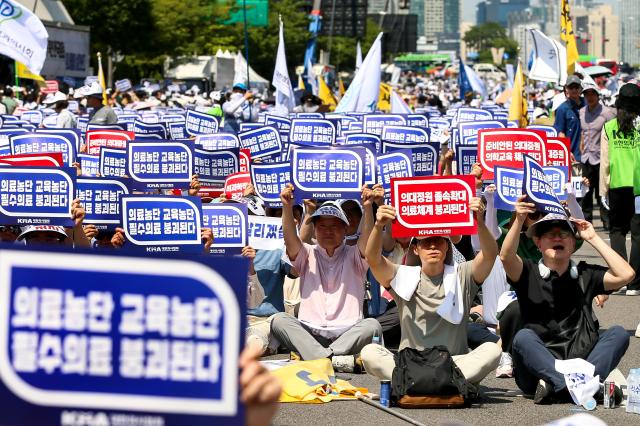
312, 79
285, 101
23, 37
358, 56
239, 70
398, 105
549, 59
363, 93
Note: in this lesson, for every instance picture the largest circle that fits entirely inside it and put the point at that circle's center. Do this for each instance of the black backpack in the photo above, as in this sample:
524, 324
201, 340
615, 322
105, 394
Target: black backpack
432, 377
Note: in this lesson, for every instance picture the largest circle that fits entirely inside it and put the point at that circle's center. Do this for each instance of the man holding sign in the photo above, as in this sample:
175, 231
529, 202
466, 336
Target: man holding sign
433, 297
330, 321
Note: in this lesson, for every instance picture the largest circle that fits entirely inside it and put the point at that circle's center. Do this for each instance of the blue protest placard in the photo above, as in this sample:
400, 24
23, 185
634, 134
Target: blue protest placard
405, 134
5, 133
217, 141
508, 183
418, 120
309, 115
228, 222
33, 117
309, 131
37, 143
36, 195
282, 124
558, 176
73, 135
5, 150
162, 224
198, 123
466, 156
159, 165
177, 131
173, 118
121, 339
424, 156
262, 142
362, 138
395, 164
373, 123
472, 114
549, 130
100, 198
89, 164
213, 167
327, 173
370, 164
123, 85
355, 126
500, 115
249, 126
141, 128
113, 162
438, 126
469, 129
269, 180
538, 190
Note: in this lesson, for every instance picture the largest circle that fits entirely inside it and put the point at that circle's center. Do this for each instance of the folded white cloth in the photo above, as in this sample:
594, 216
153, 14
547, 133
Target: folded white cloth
578, 375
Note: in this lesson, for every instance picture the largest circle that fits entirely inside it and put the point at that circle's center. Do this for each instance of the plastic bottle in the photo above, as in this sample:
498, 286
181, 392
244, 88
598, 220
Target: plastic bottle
375, 339
633, 389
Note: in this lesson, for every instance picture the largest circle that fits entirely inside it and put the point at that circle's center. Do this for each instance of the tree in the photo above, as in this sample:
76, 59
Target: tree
491, 34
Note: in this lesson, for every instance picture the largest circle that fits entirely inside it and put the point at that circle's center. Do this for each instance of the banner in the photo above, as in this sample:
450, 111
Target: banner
144, 129
198, 123
100, 198
435, 205
269, 180
36, 143
51, 159
213, 167
89, 164
310, 131
506, 147
162, 224
228, 222
235, 184
396, 164
36, 195
108, 339
538, 190
216, 141
373, 123
327, 173
265, 233
424, 156
405, 135
113, 162
262, 142
96, 139
466, 157
159, 165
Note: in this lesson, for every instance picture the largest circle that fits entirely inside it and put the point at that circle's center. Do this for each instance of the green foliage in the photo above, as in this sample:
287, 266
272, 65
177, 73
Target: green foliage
491, 34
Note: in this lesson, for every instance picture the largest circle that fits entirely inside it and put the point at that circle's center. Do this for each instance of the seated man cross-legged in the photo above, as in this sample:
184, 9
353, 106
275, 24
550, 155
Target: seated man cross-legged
421, 293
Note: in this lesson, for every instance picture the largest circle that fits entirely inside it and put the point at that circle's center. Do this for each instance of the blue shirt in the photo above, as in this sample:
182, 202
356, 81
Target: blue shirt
568, 122
271, 271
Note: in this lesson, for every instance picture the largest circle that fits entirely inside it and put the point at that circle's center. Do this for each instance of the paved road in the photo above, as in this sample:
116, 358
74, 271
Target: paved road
501, 403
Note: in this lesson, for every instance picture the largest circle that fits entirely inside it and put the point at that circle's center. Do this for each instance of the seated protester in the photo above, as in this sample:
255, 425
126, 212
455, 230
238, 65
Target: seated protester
555, 298
332, 276
353, 211
421, 293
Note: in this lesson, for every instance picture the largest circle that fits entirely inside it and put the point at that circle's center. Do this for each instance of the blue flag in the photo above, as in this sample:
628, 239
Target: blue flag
463, 81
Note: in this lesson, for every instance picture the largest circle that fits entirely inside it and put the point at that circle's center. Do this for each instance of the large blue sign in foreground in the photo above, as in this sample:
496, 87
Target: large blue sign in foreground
120, 339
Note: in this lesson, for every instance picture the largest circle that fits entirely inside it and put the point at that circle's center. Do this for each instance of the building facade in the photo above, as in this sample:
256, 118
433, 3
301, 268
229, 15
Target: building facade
630, 31
597, 31
499, 10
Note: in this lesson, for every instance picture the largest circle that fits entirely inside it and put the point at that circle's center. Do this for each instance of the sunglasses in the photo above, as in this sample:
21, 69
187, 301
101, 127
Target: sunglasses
554, 234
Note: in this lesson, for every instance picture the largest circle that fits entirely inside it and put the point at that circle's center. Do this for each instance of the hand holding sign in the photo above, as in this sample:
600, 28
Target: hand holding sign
524, 208
77, 212
206, 235
385, 215
286, 196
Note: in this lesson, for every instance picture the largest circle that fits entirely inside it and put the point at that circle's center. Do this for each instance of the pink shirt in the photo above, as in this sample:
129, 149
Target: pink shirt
331, 288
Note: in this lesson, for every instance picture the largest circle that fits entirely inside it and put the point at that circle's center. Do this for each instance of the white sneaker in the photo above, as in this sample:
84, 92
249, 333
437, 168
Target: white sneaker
632, 293
505, 368
638, 331
343, 363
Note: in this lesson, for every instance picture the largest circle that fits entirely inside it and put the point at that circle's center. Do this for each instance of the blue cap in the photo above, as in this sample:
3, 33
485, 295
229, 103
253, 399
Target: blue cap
240, 86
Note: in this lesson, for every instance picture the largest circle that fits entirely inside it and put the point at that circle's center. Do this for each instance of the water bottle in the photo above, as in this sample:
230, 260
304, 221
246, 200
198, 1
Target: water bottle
375, 339
633, 389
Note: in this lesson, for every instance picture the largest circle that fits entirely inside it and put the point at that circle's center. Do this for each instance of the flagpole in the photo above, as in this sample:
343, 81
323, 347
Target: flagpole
246, 48
15, 69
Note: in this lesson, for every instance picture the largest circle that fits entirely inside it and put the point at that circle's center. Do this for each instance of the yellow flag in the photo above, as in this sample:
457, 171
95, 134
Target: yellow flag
325, 94
341, 88
567, 35
384, 101
300, 82
24, 72
101, 80
518, 111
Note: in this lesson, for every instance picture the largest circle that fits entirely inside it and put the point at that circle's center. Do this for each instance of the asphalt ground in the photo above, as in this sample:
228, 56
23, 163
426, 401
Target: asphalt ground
501, 402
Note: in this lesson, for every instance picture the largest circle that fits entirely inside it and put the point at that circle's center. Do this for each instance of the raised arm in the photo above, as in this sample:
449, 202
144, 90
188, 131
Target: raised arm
292, 242
367, 219
486, 257
508, 253
382, 269
306, 226
620, 273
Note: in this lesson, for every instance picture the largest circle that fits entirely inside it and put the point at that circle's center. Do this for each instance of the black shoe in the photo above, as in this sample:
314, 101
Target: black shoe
544, 393
617, 395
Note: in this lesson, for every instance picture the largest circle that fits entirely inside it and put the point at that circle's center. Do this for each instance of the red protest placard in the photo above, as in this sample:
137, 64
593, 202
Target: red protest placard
245, 160
47, 159
52, 87
210, 192
433, 205
235, 184
107, 138
559, 152
506, 147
